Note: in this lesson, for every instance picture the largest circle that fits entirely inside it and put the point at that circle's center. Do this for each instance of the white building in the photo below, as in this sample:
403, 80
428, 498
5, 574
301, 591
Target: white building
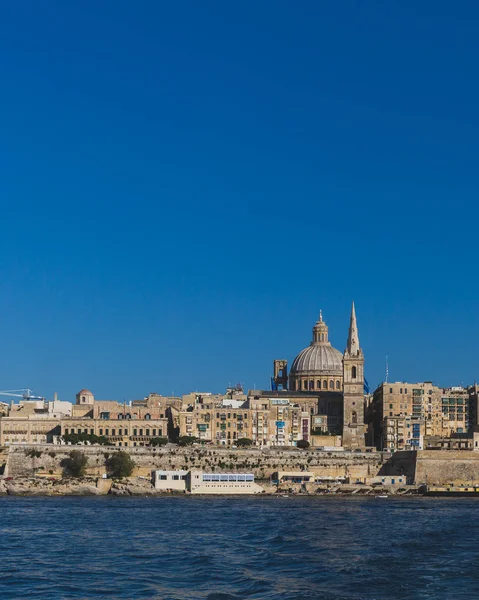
197, 482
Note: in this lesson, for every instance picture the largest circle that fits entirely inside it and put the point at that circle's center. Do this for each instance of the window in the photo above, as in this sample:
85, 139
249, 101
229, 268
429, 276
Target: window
331, 385
311, 385
390, 390
154, 431
305, 385
325, 385
163, 477
113, 432
135, 432
101, 431
148, 417
400, 390
141, 431
147, 432
318, 384
353, 372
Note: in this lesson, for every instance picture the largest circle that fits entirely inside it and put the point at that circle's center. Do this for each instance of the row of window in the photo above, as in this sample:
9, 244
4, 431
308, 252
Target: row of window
310, 385
154, 432
228, 415
121, 416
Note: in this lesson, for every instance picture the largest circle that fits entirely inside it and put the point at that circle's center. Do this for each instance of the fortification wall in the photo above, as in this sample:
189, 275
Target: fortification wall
354, 466
439, 467
435, 467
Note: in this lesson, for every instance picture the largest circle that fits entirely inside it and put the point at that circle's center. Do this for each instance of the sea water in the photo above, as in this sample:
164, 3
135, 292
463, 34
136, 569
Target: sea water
233, 548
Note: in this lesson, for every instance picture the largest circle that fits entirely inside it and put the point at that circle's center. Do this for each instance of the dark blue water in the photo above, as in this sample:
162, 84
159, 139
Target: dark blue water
228, 548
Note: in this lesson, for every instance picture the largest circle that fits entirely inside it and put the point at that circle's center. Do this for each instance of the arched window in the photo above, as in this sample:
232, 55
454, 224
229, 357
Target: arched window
311, 385
338, 385
148, 416
331, 385
305, 385
318, 384
325, 385
354, 417
353, 372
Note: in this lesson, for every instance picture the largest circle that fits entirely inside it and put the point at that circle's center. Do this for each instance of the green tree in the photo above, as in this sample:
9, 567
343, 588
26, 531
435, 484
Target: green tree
119, 465
159, 441
81, 438
75, 464
302, 444
187, 440
244, 442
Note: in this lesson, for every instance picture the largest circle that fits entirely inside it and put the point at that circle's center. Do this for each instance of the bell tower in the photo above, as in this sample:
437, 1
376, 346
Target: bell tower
353, 377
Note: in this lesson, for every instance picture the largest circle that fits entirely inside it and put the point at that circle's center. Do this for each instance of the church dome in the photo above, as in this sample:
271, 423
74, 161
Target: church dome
320, 358
319, 366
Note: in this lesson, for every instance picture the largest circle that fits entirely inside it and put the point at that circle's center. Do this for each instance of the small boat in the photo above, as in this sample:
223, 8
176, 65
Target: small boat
383, 496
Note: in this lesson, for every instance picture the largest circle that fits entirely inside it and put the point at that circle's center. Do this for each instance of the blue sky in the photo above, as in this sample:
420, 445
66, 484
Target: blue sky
184, 185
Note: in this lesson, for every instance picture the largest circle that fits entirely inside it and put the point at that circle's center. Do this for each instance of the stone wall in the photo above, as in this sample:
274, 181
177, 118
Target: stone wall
262, 463
435, 467
439, 467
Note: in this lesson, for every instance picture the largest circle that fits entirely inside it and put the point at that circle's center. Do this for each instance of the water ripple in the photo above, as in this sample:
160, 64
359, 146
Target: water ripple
184, 548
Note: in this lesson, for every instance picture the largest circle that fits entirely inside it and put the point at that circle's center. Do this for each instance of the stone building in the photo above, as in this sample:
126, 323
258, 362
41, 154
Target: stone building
267, 421
325, 399
33, 422
124, 425
413, 416
336, 381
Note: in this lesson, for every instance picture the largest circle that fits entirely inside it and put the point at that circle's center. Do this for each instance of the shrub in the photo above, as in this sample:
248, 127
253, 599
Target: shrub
187, 440
119, 465
75, 464
52, 454
159, 441
33, 453
82, 438
302, 444
244, 442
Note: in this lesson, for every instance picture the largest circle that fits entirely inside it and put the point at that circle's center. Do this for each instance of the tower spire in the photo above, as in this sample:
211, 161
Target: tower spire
353, 337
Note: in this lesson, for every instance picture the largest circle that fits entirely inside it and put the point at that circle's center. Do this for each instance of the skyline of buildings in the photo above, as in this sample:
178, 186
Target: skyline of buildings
323, 399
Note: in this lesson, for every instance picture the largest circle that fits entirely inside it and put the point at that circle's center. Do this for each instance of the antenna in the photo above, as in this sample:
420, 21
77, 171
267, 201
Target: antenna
387, 368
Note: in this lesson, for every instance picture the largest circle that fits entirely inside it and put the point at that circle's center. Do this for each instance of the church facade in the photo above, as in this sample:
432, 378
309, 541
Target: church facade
335, 378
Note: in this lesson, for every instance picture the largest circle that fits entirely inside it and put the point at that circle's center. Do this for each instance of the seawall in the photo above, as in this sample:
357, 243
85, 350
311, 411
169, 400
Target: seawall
261, 462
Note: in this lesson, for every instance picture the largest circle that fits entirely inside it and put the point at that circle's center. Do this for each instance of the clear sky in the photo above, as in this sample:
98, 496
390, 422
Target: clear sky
185, 184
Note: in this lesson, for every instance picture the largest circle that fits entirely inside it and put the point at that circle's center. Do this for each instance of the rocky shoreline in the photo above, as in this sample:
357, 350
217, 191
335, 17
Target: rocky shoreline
141, 486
